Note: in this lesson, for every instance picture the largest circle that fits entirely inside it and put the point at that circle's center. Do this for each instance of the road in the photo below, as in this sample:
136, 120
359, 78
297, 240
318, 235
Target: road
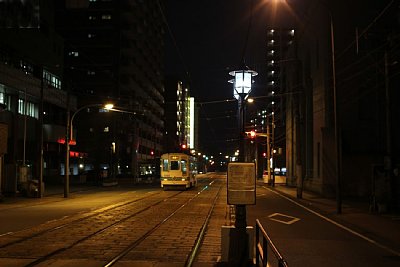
136, 228
308, 238
146, 226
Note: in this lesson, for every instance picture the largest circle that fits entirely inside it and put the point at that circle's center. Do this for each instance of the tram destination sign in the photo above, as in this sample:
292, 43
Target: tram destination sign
241, 184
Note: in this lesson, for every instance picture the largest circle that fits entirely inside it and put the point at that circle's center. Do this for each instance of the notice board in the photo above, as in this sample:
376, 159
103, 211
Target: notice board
241, 183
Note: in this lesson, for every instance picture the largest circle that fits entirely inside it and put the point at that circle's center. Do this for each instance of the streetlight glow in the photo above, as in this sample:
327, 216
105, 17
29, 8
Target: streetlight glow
108, 106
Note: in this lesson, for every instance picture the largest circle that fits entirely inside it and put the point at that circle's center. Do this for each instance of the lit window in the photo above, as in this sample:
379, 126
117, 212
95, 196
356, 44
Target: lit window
73, 54
106, 129
91, 35
106, 17
51, 79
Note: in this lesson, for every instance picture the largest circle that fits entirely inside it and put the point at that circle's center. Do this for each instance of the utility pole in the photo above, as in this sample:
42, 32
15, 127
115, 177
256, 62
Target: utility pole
273, 147
67, 138
388, 156
268, 151
40, 167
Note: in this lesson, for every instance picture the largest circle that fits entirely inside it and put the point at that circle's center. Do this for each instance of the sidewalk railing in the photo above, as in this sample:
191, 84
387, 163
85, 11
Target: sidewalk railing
262, 248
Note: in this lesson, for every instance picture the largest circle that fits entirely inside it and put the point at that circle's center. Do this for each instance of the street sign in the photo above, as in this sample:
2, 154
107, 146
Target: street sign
241, 184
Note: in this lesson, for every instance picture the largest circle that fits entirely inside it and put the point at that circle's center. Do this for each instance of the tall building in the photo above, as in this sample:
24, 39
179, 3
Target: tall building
279, 40
114, 53
180, 117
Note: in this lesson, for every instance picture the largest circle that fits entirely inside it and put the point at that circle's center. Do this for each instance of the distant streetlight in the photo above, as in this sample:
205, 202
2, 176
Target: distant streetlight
69, 136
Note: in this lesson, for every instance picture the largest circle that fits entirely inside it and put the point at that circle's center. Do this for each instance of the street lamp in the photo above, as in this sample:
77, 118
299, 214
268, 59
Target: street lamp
69, 136
243, 79
241, 89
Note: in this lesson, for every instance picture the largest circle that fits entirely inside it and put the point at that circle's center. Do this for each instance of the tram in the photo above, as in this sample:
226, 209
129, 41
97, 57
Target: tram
178, 170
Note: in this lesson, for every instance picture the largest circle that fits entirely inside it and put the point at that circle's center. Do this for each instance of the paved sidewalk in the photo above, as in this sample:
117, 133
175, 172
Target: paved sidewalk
381, 228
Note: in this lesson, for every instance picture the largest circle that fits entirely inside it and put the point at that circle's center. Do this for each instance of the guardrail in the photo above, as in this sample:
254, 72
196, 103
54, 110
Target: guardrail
262, 248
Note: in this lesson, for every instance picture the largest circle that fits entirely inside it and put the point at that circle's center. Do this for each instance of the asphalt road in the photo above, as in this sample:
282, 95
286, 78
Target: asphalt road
308, 238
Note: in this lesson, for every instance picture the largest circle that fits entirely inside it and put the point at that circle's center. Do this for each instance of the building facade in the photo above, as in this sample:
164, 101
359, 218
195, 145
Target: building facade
349, 106
34, 96
180, 120
114, 53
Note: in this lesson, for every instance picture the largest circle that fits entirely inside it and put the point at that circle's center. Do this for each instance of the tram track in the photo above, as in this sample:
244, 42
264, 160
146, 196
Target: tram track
192, 253
37, 238
53, 247
74, 221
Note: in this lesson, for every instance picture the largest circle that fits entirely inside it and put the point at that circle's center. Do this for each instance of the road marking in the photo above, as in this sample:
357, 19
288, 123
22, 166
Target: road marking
338, 224
9, 233
282, 218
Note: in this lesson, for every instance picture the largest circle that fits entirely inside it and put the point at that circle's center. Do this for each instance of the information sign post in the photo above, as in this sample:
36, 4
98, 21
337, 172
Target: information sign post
241, 183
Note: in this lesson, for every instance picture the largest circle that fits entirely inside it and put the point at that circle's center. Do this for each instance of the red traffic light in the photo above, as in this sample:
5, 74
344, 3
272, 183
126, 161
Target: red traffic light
152, 153
183, 146
264, 154
252, 134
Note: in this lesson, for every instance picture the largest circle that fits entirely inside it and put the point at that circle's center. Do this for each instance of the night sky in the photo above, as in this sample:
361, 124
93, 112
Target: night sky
210, 39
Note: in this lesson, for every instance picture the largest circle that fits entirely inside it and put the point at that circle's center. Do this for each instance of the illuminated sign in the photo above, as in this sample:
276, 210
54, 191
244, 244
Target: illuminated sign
75, 154
62, 141
191, 124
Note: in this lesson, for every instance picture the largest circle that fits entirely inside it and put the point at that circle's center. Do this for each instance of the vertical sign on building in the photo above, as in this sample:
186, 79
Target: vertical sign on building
191, 124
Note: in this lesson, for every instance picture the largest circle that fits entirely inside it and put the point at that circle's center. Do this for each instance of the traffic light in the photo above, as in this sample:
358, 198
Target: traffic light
264, 154
152, 152
252, 134
183, 146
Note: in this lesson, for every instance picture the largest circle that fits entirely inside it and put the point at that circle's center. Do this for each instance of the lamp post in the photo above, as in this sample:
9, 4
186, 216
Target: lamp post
241, 89
69, 136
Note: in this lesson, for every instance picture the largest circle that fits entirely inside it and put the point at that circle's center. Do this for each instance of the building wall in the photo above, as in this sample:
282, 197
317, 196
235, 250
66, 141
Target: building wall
114, 53
361, 84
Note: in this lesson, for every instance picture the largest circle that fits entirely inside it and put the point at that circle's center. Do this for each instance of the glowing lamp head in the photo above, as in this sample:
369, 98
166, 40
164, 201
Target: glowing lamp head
242, 81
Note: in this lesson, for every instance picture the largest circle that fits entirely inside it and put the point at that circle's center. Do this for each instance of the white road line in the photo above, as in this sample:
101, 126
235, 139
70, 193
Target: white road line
338, 224
9, 233
288, 222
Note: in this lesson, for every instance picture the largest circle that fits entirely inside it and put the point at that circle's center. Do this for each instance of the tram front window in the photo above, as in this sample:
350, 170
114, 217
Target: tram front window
183, 162
165, 164
174, 165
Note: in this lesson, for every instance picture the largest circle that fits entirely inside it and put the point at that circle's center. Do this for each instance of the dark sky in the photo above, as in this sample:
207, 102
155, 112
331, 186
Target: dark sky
210, 39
